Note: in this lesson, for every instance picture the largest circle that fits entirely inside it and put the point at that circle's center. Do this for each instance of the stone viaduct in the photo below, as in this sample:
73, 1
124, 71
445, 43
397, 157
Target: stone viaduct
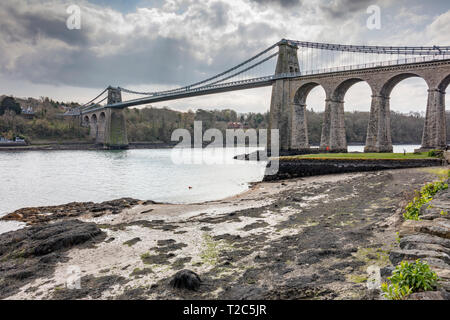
288, 105
290, 90
107, 125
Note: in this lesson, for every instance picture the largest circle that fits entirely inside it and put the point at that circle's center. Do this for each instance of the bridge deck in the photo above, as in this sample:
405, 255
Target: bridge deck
246, 84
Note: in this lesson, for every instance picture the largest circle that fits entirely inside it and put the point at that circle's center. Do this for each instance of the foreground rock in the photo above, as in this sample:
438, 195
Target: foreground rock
310, 238
71, 210
428, 240
33, 252
186, 279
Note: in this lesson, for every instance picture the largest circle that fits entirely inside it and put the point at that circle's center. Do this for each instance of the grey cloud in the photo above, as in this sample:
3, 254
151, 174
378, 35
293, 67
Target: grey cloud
282, 3
35, 25
341, 9
142, 59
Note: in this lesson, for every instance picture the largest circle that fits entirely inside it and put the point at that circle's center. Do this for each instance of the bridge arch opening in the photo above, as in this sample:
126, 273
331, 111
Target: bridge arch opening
356, 95
86, 120
408, 98
93, 127
312, 96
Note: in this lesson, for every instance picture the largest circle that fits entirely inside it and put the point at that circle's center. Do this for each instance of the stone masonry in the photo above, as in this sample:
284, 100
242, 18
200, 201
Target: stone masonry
288, 104
108, 125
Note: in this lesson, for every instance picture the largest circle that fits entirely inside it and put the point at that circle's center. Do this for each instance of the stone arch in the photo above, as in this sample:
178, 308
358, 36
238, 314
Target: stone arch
341, 90
299, 138
101, 128
333, 130
444, 84
303, 91
86, 120
379, 137
390, 84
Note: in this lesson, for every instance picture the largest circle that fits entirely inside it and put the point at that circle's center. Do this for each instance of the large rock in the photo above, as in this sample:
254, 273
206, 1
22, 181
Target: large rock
424, 239
439, 227
33, 252
396, 256
186, 279
429, 295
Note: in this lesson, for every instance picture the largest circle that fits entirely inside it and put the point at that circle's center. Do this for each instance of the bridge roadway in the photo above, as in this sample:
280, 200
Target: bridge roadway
255, 83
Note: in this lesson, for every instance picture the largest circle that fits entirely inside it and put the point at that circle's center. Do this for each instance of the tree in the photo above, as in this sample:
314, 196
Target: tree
8, 103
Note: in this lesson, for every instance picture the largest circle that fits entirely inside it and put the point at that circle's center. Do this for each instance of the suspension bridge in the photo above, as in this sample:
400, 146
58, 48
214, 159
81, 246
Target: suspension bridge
299, 67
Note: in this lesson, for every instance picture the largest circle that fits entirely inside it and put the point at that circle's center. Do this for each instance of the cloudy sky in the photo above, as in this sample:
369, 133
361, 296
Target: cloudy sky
158, 44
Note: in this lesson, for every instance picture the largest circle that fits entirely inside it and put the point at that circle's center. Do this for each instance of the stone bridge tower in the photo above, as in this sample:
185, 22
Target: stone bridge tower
282, 111
108, 126
116, 128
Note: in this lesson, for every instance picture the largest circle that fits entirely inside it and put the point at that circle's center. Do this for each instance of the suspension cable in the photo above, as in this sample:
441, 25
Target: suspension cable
206, 80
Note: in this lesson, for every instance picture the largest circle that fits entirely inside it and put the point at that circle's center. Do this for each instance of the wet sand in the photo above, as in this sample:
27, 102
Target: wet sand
309, 238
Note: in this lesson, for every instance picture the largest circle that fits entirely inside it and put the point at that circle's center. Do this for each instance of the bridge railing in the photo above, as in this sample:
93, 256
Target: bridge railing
373, 65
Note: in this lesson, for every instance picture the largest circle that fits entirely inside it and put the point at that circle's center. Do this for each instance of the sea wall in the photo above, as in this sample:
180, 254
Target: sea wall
312, 167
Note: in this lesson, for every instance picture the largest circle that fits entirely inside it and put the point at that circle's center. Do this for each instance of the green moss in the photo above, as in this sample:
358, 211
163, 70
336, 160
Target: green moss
373, 256
211, 249
356, 278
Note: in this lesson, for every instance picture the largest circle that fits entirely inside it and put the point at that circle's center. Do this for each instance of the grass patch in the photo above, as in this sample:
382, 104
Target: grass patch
361, 156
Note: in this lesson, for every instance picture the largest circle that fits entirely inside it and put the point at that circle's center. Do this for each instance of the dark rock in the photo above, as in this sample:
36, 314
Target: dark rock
396, 256
429, 295
424, 238
386, 272
32, 252
186, 279
132, 242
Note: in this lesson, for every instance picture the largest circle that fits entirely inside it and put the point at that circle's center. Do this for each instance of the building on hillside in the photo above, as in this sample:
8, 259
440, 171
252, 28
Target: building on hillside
235, 125
28, 112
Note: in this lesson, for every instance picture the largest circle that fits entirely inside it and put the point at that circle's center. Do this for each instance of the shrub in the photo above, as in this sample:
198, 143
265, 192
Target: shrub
412, 210
408, 278
435, 153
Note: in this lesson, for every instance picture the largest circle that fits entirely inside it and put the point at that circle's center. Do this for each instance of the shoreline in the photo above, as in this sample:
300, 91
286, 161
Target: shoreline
81, 146
311, 238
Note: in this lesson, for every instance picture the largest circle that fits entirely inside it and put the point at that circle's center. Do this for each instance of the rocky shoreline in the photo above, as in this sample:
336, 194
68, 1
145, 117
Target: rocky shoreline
304, 238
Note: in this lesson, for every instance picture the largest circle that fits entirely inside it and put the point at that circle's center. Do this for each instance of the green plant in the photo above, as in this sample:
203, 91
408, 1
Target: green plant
412, 210
435, 153
408, 278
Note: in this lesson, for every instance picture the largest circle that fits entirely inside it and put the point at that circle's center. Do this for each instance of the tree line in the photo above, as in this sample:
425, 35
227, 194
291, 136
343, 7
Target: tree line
157, 124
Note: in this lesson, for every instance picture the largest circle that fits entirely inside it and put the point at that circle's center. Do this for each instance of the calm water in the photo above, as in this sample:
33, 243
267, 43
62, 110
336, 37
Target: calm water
42, 178
56, 177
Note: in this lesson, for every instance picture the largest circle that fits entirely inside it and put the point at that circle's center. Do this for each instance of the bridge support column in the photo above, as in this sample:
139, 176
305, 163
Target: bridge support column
281, 109
300, 139
379, 128
434, 132
93, 128
116, 125
333, 137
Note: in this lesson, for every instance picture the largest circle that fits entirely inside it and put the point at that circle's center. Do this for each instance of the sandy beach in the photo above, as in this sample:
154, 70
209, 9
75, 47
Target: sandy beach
309, 238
